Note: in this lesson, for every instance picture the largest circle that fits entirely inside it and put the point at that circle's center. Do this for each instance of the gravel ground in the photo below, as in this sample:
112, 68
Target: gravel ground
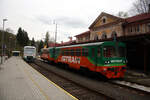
103, 87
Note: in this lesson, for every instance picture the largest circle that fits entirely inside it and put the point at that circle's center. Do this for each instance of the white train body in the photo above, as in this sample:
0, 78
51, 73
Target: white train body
29, 53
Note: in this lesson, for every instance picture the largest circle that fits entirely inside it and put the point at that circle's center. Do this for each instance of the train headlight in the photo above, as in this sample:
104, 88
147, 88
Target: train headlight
107, 62
124, 61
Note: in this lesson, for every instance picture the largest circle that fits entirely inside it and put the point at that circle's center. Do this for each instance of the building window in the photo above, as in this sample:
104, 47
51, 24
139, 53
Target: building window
128, 29
138, 28
131, 29
135, 29
87, 38
104, 36
114, 34
104, 20
148, 26
96, 37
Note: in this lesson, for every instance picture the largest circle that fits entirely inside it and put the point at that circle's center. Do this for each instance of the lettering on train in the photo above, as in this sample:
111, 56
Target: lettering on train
70, 59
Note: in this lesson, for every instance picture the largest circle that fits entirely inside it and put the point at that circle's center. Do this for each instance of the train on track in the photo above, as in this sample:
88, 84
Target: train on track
29, 53
107, 58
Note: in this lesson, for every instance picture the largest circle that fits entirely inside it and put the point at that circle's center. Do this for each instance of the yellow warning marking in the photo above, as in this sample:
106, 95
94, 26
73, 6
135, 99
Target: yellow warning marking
40, 89
56, 85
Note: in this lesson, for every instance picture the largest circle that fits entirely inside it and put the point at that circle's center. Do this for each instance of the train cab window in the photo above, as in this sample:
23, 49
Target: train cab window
99, 52
109, 51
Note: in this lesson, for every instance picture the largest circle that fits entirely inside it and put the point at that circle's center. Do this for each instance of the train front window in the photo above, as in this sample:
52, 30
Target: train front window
109, 51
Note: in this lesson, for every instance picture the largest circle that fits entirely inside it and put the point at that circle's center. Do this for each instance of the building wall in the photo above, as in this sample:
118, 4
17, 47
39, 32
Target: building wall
83, 39
108, 31
114, 24
137, 28
108, 20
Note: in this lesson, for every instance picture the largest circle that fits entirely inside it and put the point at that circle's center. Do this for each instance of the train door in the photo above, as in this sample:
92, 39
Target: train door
93, 55
99, 56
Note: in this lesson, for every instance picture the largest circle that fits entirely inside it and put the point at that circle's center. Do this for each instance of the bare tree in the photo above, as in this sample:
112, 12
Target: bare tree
122, 14
140, 6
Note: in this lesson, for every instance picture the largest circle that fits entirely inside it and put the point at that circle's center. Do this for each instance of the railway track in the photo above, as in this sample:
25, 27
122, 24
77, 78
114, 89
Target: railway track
80, 92
98, 90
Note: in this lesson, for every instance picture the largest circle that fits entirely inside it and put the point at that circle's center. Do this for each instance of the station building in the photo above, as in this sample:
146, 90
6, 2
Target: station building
134, 31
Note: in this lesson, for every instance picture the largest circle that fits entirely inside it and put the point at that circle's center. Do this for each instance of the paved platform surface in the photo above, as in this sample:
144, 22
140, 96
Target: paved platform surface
19, 81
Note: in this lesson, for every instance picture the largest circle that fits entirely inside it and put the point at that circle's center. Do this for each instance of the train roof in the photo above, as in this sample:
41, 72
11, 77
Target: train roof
87, 44
29, 47
16, 51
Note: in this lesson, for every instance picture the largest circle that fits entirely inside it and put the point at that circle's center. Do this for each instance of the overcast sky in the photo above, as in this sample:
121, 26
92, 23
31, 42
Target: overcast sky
72, 16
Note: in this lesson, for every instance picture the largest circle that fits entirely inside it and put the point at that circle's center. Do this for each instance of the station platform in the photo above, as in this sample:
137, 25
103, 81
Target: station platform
19, 81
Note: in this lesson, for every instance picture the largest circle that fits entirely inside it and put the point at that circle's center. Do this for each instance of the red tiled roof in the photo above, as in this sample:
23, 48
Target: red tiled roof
83, 34
67, 43
53, 44
138, 17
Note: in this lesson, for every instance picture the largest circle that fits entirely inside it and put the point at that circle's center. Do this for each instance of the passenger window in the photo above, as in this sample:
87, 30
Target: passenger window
78, 52
84, 52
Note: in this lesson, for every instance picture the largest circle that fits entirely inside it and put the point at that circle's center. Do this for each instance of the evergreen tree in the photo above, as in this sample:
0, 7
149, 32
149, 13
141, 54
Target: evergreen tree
22, 37
40, 45
46, 39
26, 38
32, 42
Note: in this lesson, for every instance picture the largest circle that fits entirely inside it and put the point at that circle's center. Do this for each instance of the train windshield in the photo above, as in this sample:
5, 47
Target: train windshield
29, 50
110, 51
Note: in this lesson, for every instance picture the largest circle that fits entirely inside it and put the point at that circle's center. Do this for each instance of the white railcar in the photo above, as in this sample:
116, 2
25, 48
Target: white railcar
29, 53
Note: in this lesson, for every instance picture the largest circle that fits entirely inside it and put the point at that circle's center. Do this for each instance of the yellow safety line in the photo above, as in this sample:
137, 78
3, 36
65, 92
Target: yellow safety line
56, 85
40, 89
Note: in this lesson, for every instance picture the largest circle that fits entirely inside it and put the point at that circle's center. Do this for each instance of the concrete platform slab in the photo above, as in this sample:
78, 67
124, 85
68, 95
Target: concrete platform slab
19, 81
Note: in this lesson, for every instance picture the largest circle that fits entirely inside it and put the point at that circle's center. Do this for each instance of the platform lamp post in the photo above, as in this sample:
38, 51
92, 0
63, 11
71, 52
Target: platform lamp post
10, 45
3, 33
